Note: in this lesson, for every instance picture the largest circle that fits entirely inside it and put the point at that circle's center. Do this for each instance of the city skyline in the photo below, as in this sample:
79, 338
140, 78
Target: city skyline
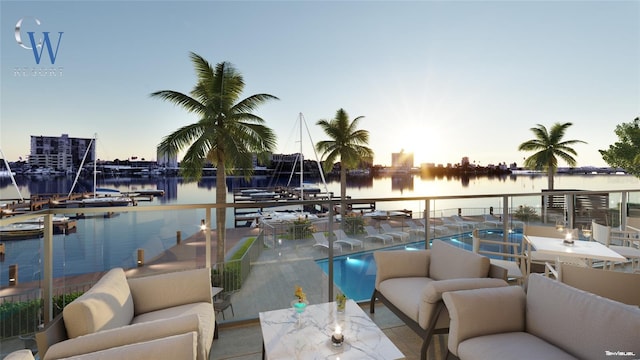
442, 80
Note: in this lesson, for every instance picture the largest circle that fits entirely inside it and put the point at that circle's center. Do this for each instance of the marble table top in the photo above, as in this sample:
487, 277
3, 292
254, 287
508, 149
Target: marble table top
580, 249
285, 336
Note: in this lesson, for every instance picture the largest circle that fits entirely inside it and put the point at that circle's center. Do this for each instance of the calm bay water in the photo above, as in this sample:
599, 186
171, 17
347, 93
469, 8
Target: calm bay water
102, 243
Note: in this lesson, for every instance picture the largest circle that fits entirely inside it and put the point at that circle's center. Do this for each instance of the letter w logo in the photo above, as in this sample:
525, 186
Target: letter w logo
46, 42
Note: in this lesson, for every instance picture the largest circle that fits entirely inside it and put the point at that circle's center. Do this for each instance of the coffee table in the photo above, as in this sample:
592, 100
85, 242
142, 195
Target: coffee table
284, 336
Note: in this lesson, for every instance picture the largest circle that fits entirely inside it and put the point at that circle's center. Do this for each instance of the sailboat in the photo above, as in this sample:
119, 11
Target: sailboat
100, 197
300, 190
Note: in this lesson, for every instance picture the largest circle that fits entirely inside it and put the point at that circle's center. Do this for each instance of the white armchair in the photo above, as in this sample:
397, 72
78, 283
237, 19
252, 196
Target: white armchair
411, 284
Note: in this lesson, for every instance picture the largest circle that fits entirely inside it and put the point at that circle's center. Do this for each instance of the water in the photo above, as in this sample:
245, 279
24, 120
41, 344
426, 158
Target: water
103, 243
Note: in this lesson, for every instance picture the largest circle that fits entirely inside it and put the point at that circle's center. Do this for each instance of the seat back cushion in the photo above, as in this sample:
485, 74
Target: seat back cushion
107, 305
157, 292
585, 325
450, 262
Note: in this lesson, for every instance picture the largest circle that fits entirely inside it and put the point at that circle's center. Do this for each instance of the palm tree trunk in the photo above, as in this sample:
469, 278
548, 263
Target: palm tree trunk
550, 174
343, 194
221, 212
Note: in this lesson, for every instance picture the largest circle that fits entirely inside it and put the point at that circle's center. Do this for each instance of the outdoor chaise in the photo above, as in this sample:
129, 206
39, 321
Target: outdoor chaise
118, 311
411, 284
372, 233
342, 237
322, 241
396, 234
551, 320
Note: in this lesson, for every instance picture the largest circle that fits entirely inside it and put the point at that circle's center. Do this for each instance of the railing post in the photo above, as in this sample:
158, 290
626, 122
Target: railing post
207, 238
505, 219
330, 252
47, 283
623, 210
427, 223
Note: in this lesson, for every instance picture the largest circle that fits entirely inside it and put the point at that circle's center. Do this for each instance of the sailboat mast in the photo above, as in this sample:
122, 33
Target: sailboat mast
13, 179
301, 163
75, 181
95, 159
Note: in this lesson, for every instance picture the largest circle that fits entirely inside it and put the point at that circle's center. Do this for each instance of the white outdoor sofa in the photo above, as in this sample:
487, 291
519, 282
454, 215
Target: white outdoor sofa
122, 316
551, 321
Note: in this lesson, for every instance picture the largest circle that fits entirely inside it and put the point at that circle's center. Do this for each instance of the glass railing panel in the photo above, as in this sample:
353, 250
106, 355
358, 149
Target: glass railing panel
267, 258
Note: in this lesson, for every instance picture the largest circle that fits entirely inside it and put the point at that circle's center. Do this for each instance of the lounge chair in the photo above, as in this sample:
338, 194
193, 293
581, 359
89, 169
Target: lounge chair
342, 237
452, 224
372, 233
492, 221
400, 235
465, 223
437, 229
415, 229
322, 240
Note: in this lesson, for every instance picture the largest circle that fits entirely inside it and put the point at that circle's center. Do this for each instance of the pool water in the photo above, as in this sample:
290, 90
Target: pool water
355, 274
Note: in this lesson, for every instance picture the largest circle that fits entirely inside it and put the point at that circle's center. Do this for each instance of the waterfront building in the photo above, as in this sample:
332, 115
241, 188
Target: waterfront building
59, 152
402, 160
166, 160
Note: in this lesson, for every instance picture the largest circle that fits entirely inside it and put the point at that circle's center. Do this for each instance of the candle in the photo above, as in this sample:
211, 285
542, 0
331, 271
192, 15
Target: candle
338, 333
337, 338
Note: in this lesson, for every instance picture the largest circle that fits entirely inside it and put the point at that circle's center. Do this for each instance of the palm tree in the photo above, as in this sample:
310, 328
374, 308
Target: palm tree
226, 134
549, 146
348, 144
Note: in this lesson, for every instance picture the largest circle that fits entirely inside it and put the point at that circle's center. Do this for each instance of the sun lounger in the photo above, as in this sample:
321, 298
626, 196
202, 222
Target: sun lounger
415, 229
372, 233
456, 222
400, 235
437, 229
342, 237
492, 221
322, 241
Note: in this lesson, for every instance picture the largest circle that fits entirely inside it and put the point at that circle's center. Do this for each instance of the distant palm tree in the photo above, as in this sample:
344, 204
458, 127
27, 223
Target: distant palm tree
226, 134
348, 144
549, 146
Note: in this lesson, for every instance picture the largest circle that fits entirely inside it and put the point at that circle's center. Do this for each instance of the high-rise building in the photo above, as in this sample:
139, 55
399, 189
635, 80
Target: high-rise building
402, 160
60, 153
166, 160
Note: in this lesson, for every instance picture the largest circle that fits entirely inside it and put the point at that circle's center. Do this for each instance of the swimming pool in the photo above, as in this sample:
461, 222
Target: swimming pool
355, 274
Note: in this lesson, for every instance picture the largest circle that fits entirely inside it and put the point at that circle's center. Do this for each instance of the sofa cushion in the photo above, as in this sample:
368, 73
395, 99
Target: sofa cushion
510, 345
206, 322
125, 335
151, 293
450, 262
177, 347
584, 324
107, 305
24, 354
405, 293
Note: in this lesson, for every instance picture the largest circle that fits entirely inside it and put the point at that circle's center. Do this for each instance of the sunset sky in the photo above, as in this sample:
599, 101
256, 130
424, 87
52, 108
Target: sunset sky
441, 79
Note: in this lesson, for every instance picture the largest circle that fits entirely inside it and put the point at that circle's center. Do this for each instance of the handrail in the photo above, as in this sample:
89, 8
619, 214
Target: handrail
47, 285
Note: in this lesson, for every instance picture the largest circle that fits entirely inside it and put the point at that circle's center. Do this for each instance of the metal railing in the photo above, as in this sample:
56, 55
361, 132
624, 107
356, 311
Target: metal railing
271, 239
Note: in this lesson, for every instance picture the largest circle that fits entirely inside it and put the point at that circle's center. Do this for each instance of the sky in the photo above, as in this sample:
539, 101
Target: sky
439, 79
